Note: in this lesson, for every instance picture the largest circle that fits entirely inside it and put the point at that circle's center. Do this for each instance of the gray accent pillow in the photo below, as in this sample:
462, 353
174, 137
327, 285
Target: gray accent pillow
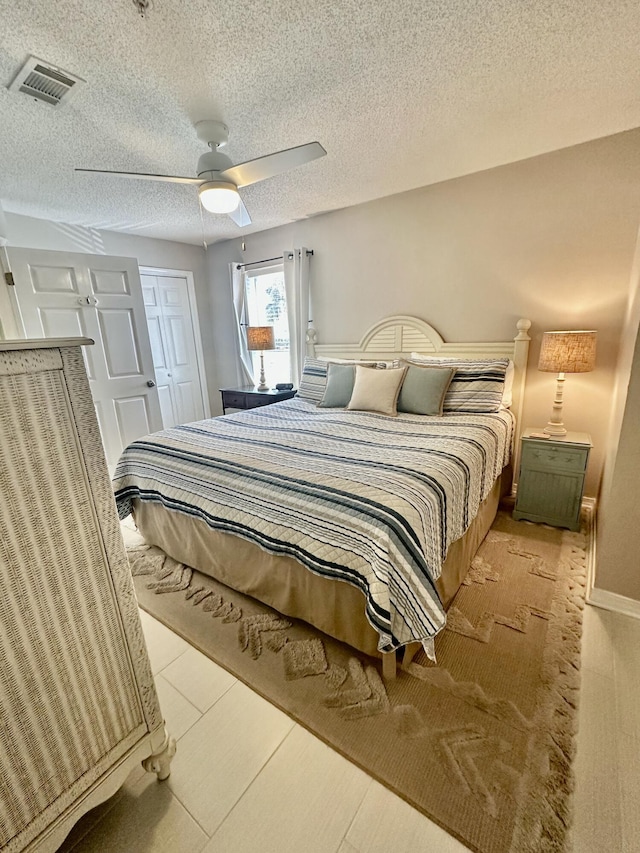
339, 387
424, 389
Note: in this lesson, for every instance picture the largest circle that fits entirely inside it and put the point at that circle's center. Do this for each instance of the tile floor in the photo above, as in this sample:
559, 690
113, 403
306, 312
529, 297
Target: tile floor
246, 777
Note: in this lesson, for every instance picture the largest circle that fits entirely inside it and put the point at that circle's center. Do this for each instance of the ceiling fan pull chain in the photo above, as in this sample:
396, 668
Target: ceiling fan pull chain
204, 241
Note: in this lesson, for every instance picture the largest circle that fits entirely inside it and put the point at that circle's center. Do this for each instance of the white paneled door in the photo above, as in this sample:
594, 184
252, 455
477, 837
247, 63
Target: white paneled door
61, 294
173, 344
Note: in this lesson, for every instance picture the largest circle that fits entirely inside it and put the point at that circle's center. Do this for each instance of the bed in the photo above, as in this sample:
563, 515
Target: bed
333, 516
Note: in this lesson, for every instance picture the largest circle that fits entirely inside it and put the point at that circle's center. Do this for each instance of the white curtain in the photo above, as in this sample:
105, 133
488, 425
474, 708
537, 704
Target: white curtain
296, 282
244, 365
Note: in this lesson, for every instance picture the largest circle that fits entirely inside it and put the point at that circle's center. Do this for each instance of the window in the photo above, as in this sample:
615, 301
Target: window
267, 306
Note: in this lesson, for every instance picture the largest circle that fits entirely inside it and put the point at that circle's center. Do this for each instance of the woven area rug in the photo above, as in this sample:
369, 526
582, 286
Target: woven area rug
482, 743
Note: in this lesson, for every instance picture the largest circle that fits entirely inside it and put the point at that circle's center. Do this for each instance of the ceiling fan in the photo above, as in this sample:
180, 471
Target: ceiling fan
219, 180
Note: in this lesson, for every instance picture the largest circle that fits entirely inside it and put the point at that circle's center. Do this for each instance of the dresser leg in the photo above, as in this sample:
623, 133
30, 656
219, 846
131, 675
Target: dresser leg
159, 762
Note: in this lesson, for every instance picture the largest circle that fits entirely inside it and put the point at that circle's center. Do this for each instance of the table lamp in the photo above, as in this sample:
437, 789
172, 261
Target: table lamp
261, 338
565, 352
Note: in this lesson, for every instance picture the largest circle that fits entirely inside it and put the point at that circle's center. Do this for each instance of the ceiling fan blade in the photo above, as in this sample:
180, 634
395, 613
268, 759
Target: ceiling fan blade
240, 215
252, 171
174, 179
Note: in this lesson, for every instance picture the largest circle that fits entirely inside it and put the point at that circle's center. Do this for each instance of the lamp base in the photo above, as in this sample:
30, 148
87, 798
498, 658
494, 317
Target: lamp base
555, 426
263, 382
554, 429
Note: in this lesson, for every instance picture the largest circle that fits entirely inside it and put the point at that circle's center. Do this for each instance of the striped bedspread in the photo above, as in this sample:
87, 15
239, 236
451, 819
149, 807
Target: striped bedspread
372, 500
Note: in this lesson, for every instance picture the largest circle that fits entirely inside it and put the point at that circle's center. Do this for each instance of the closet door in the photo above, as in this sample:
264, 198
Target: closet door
172, 337
63, 295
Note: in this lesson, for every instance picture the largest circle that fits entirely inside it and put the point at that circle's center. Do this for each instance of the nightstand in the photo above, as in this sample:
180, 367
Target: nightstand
551, 480
248, 397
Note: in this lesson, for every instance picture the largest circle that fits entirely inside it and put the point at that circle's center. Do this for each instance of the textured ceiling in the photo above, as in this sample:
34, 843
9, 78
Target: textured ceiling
400, 94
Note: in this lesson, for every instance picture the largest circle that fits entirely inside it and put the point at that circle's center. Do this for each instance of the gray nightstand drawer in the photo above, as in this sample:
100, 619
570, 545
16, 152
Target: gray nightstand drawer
555, 458
234, 400
255, 400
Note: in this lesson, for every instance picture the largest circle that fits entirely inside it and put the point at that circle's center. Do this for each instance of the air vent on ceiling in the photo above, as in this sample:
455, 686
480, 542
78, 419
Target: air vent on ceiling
45, 82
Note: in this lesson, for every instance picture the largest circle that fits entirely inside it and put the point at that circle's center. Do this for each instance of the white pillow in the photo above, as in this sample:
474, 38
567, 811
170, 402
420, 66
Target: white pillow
377, 390
507, 394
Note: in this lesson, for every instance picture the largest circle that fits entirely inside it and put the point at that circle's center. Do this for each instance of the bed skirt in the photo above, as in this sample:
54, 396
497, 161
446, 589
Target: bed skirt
281, 582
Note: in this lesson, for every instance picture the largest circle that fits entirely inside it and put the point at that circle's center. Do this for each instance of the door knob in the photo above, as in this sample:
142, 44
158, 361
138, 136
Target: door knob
151, 383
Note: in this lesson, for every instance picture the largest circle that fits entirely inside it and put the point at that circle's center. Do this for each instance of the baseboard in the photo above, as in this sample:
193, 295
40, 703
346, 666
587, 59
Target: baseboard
612, 601
602, 597
589, 509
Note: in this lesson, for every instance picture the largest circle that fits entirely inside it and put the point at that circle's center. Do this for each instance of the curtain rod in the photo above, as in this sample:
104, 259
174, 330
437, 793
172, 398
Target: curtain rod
267, 260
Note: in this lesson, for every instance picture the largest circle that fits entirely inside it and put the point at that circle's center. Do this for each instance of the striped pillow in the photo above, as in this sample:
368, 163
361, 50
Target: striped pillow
477, 385
313, 380
314, 376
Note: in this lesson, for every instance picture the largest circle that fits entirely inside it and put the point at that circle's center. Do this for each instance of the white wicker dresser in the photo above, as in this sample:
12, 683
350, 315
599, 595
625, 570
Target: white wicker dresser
78, 707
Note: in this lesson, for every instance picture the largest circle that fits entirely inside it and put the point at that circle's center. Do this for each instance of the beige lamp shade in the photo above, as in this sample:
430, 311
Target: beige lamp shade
260, 338
568, 352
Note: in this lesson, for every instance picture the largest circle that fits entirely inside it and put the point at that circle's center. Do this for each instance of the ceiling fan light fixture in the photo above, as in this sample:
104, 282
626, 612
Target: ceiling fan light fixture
219, 196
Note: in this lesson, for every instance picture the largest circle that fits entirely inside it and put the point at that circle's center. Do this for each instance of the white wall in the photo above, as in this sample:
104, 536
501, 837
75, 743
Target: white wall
3, 227
618, 568
551, 238
27, 232
8, 327
618, 565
